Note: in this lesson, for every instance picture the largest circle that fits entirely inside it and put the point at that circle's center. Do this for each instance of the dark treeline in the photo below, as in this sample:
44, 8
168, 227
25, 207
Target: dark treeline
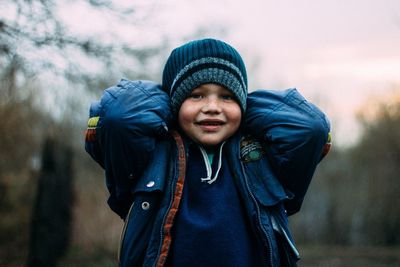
354, 198
50, 228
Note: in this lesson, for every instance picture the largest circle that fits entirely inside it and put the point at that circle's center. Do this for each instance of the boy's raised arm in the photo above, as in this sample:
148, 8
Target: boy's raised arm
122, 132
297, 136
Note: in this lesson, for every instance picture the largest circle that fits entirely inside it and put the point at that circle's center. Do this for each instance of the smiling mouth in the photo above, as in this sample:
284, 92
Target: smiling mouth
210, 126
210, 123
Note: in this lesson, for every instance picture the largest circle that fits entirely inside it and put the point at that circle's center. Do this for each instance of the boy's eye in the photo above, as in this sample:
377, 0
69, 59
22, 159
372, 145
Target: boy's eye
195, 96
227, 97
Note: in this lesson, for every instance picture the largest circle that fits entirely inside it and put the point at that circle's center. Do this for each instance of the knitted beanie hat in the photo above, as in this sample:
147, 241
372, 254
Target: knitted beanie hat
204, 61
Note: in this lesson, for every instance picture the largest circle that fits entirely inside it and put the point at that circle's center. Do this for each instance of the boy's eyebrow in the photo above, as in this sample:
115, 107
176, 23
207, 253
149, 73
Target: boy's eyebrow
227, 92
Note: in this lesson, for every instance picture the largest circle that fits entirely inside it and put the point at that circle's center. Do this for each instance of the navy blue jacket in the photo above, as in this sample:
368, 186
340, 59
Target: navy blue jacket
273, 157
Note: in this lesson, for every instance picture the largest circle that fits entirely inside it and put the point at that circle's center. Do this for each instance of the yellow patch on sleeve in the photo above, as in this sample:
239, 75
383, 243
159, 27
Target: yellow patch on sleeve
90, 135
92, 122
329, 138
327, 146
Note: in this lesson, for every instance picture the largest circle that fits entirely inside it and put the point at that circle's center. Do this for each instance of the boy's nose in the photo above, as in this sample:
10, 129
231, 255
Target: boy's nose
212, 105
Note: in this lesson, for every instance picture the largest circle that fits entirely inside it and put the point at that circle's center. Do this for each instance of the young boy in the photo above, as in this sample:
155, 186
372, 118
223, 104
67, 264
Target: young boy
217, 187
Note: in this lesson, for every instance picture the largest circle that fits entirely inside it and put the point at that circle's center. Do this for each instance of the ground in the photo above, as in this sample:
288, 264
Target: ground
334, 256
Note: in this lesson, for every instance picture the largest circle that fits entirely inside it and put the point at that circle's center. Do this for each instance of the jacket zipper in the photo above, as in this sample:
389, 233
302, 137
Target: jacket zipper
181, 154
258, 215
163, 222
121, 241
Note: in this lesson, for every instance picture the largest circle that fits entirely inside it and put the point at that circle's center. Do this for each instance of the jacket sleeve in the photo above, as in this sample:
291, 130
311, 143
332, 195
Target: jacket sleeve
297, 137
122, 132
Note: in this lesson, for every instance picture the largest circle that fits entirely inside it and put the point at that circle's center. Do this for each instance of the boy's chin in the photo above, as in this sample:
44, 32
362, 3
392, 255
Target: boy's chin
210, 144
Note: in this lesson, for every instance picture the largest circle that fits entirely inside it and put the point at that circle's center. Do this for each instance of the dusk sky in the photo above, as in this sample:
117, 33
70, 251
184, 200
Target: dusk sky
339, 54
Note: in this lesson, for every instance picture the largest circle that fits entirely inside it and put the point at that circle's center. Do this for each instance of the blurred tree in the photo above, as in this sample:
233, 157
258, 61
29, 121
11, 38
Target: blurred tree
324, 218
19, 130
52, 213
35, 35
354, 198
377, 161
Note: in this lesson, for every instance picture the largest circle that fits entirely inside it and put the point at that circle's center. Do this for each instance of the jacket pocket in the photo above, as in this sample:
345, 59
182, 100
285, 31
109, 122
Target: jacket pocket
264, 184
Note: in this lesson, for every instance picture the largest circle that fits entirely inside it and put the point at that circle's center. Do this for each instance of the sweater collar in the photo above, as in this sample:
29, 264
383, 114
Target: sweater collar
218, 155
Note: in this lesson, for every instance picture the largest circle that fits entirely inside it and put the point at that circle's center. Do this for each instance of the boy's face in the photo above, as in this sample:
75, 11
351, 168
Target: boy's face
210, 115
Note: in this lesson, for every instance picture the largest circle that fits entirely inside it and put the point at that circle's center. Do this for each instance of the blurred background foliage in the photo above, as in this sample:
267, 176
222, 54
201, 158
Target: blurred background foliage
49, 74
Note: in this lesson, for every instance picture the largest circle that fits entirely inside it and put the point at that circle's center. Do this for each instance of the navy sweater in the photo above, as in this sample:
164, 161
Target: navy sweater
211, 227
